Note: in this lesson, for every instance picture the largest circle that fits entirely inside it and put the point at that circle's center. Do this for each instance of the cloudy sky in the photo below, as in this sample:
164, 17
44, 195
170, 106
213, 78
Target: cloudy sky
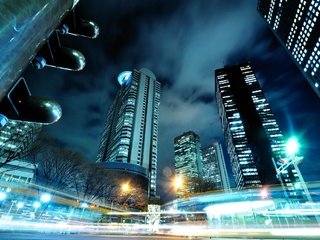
182, 42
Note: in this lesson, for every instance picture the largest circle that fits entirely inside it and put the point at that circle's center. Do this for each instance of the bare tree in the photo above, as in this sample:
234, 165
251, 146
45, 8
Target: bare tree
56, 167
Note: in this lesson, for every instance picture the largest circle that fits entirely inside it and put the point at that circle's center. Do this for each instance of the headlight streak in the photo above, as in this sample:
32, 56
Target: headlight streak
218, 215
168, 229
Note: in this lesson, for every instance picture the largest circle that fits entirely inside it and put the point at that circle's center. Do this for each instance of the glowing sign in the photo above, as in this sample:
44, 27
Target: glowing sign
124, 77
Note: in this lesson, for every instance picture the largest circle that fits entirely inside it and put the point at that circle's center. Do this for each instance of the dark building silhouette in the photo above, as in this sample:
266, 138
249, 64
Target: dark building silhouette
296, 24
255, 143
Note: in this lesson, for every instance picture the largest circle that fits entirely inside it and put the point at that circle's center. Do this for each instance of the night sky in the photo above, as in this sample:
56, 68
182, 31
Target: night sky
182, 42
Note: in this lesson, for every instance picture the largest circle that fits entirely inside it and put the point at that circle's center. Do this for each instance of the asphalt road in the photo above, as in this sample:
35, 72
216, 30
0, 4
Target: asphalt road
42, 236
46, 236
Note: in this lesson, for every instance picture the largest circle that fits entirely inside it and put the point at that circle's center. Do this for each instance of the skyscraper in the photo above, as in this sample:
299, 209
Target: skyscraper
214, 167
296, 24
130, 137
252, 134
188, 160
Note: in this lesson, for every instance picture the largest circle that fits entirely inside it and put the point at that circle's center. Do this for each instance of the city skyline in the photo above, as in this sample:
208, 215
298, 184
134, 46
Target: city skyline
182, 43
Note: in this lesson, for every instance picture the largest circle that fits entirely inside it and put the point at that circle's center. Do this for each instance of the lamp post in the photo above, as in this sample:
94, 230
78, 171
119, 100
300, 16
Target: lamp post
125, 187
36, 205
292, 159
84, 206
178, 182
3, 196
20, 205
178, 185
45, 197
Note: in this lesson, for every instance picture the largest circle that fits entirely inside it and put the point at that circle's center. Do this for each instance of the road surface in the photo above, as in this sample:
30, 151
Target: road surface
47, 236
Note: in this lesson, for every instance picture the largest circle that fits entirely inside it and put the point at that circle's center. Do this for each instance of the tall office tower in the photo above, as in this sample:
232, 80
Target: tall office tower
188, 161
252, 134
130, 137
214, 167
296, 24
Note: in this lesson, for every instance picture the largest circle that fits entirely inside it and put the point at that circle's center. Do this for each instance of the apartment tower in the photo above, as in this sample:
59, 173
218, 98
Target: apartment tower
130, 137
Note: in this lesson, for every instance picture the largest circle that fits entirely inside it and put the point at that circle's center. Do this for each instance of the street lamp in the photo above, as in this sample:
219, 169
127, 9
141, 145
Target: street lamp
125, 187
36, 205
84, 206
45, 197
20, 205
2, 196
292, 159
264, 193
292, 146
178, 182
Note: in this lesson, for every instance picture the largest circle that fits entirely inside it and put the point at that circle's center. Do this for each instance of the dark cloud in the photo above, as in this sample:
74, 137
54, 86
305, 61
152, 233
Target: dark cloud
205, 98
182, 42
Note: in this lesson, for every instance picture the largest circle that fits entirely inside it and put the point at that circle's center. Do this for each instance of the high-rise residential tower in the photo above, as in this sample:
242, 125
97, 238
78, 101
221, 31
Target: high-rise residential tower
214, 167
296, 24
188, 161
254, 140
130, 137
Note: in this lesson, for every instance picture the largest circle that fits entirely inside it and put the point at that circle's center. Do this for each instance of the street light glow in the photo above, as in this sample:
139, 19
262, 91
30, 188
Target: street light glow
45, 197
178, 182
36, 205
125, 187
20, 205
264, 193
292, 146
297, 185
84, 205
2, 196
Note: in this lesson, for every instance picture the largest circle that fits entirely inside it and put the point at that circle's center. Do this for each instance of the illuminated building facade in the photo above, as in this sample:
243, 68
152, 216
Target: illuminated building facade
254, 141
214, 167
15, 139
296, 24
188, 161
130, 137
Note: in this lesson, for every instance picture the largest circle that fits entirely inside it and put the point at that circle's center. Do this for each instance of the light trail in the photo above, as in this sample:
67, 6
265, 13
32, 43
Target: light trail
163, 230
230, 215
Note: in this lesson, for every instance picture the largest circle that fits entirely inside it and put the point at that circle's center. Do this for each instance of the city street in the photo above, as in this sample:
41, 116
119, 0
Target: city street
39, 236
